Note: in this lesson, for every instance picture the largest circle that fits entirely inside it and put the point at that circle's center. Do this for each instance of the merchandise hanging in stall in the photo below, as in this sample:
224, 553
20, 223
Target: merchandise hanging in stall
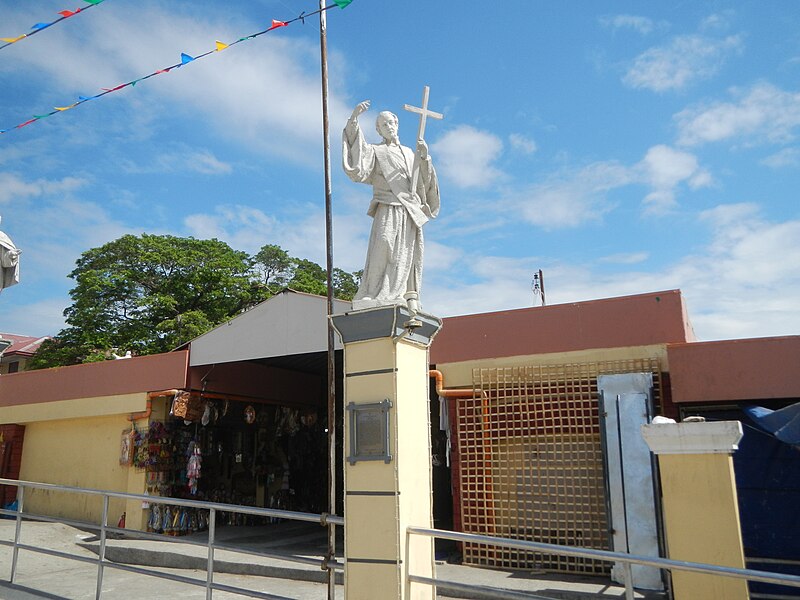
229, 452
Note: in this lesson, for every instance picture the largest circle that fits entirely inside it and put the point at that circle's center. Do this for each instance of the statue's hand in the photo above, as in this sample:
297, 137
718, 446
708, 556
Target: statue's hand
422, 149
360, 108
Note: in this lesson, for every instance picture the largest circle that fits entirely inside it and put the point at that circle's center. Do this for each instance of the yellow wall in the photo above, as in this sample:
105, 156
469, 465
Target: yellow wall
81, 453
459, 374
701, 518
383, 499
73, 409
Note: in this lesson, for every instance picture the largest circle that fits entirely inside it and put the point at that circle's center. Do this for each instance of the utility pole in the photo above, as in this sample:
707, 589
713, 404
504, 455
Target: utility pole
331, 557
537, 285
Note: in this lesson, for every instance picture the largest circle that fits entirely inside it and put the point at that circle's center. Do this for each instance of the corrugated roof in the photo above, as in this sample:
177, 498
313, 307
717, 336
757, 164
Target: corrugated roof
22, 345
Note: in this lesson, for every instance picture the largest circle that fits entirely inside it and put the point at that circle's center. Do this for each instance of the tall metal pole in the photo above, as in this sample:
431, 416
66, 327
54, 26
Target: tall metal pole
541, 284
323, 44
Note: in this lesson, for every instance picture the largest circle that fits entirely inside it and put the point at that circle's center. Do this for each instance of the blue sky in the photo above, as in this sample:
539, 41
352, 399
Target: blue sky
621, 147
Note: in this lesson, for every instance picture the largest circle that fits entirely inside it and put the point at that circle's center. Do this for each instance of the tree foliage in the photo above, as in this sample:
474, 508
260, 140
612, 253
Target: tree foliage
277, 270
152, 293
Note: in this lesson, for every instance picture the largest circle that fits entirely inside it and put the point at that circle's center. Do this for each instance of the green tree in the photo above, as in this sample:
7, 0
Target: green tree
277, 270
274, 267
152, 293
345, 285
309, 277
148, 294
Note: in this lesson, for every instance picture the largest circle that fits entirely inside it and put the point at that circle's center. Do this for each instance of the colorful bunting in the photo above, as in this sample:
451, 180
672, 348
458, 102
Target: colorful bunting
65, 14
185, 59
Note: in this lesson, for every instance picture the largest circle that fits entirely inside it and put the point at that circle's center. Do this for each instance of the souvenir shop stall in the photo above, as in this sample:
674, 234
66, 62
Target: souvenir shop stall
232, 452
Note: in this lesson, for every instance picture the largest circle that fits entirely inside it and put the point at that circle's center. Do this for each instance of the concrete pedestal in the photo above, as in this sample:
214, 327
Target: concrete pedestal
387, 458
701, 512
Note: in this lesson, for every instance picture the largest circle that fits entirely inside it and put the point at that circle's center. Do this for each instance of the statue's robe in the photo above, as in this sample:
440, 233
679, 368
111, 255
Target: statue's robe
394, 257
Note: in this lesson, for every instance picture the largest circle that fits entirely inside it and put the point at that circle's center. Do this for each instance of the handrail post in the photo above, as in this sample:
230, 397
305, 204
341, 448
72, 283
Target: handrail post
102, 552
627, 570
212, 526
15, 552
407, 567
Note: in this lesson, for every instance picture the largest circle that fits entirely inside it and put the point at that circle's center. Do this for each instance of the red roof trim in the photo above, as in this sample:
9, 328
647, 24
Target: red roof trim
108, 378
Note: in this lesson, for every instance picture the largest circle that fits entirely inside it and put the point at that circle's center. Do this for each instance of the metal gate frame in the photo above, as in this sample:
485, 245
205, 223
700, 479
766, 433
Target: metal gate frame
531, 461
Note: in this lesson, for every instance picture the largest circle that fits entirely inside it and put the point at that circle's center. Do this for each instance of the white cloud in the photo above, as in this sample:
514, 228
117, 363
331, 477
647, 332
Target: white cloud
686, 59
440, 258
716, 21
733, 285
241, 227
208, 164
13, 188
628, 258
572, 198
52, 237
639, 24
787, 157
181, 161
659, 202
263, 92
464, 155
764, 113
663, 169
522, 143
37, 318
301, 234
666, 167
502, 283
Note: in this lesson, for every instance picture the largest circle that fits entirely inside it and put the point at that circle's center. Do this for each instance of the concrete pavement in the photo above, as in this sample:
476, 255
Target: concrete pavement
41, 576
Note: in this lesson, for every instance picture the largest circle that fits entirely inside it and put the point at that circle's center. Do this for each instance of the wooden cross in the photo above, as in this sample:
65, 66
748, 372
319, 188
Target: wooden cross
423, 113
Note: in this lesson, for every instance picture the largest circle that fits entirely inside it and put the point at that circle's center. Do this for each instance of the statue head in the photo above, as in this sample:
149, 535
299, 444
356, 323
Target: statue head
387, 125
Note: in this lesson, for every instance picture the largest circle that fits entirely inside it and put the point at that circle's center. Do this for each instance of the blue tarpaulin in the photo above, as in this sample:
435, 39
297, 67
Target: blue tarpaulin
783, 423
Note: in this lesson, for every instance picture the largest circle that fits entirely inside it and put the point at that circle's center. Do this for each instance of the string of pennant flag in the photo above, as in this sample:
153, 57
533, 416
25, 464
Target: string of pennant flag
185, 59
65, 14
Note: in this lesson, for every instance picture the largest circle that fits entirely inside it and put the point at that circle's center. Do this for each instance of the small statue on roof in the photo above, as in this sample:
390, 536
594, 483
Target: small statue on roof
9, 262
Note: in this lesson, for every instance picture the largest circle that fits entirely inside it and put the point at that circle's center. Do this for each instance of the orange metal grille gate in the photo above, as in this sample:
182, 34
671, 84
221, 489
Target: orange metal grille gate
531, 462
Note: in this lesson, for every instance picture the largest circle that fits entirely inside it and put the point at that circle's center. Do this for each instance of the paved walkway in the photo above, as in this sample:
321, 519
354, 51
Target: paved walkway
40, 576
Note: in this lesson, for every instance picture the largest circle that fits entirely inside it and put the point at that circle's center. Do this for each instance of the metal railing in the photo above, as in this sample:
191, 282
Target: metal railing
104, 529
626, 560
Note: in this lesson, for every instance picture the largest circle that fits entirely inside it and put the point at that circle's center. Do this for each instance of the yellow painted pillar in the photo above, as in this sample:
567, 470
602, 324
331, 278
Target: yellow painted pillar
387, 461
701, 512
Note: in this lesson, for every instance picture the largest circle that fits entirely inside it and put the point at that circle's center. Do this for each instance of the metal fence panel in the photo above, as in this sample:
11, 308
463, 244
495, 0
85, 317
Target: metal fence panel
531, 462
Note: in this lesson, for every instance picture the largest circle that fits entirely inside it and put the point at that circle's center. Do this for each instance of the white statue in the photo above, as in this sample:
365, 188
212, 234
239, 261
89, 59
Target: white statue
9, 262
405, 195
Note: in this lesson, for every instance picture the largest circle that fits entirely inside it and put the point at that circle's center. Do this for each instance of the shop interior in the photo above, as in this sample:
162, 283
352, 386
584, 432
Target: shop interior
267, 449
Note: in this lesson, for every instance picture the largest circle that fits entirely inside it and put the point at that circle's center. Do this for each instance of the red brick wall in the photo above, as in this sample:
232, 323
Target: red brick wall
11, 454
